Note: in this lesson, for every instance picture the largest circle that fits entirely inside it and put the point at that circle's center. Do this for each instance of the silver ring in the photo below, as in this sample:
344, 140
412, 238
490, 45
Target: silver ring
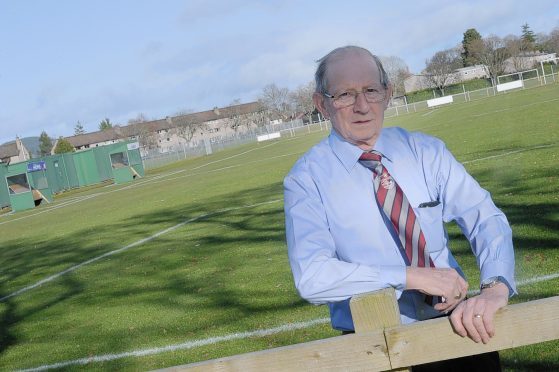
477, 316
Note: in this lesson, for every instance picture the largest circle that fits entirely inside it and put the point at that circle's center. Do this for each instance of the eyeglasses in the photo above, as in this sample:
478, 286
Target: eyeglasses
347, 98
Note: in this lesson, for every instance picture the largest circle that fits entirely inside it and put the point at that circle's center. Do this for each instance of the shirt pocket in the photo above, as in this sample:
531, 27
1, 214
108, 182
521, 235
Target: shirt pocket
431, 222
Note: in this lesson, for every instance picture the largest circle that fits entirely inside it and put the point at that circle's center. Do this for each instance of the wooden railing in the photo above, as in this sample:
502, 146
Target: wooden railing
381, 343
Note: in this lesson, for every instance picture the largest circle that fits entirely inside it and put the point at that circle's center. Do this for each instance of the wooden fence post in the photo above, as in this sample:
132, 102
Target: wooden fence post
375, 311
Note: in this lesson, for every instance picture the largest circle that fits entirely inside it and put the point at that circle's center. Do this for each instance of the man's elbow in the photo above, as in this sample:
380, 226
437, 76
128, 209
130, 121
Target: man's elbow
309, 293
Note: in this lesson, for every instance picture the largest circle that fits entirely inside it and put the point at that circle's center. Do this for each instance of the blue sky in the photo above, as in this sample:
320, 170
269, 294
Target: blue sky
63, 61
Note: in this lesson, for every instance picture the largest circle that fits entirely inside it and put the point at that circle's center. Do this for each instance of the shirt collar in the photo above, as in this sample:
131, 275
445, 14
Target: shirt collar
349, 154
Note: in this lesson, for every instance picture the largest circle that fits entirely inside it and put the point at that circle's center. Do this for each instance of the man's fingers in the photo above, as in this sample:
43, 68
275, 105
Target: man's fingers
489, 324
479, 323
456, 320
468, 321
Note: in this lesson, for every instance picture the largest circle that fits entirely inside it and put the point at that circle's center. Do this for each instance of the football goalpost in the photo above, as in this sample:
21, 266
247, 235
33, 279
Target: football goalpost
516, 79
551, 62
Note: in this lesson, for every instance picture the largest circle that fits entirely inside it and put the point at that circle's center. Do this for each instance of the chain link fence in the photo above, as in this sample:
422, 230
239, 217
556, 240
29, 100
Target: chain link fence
155, 159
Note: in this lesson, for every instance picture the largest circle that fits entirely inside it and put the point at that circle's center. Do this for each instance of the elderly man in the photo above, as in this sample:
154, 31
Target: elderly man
365, 208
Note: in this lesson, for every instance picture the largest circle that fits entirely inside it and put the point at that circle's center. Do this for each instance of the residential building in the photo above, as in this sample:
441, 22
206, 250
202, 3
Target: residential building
173, 133
14, 152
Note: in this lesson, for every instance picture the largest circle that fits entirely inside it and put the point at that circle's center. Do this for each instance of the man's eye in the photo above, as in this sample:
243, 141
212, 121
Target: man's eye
371, 90
344, 95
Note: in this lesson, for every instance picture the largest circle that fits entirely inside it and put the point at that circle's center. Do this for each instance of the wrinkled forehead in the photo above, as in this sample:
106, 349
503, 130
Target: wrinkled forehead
351, 69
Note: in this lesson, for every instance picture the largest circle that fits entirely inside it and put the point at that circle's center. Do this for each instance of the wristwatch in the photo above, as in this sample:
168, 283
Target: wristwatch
492, 282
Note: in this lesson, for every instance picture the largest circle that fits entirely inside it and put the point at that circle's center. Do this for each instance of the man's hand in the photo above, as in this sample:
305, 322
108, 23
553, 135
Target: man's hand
446, 283
474, 317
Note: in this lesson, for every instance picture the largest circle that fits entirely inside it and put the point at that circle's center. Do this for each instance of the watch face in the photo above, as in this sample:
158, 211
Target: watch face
490, 282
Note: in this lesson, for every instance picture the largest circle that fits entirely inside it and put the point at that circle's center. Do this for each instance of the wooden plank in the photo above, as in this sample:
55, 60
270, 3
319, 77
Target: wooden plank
515, 325
375, 310
355, 352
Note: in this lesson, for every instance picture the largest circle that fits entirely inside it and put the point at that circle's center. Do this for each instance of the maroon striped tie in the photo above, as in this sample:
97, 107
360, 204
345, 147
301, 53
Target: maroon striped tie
397, 208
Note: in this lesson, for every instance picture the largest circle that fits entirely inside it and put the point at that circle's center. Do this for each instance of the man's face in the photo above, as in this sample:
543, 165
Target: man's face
360, 123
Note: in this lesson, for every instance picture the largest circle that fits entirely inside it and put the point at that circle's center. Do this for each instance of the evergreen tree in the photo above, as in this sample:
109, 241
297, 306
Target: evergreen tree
470, 37
45, 144
78, 129
63, 146
528, 35
105, 124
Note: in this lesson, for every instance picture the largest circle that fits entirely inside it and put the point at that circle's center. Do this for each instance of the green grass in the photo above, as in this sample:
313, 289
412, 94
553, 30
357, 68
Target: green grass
226, 270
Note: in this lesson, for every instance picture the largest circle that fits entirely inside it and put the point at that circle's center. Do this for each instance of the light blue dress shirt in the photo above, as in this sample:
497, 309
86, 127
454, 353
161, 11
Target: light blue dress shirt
338, 241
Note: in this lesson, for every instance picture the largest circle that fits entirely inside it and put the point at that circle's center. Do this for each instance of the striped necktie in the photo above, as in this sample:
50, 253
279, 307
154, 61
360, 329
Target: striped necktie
397, 208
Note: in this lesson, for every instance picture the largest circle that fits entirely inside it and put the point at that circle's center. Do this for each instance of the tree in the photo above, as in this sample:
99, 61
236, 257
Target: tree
470, 36
276, 101
397, 71
528, 35
146, 138
516, 48
440, 69
105, 124
63, 146
140, 118
301, 99
551, 42
187, 125
78, 129
45, 144
491, 52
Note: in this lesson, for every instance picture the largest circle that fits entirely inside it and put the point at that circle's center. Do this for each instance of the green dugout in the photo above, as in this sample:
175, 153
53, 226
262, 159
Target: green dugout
27, 183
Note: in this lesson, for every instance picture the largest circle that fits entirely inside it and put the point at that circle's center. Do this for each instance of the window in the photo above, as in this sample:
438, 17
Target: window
18, 184
119, 160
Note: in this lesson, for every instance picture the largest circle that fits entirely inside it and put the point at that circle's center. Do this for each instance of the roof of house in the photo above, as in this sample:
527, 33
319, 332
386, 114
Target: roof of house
119, 132
8, 150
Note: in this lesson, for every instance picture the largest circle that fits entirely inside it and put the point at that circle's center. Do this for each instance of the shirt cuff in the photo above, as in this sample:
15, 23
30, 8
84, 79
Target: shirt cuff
394, 276
502, 269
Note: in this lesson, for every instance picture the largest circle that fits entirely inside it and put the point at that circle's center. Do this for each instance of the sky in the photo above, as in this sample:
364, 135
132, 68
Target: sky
67, 61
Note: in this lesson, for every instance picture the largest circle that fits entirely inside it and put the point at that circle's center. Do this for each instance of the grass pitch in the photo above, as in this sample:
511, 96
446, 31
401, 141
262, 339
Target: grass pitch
198, 248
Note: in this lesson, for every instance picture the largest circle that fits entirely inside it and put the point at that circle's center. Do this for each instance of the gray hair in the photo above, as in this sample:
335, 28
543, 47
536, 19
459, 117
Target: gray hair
320, 74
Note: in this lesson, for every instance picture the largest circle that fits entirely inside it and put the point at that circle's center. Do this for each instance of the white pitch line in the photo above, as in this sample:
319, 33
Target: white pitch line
234, 156
140, 183
139, 242
235, 336
428, 113
510, 153
185, 345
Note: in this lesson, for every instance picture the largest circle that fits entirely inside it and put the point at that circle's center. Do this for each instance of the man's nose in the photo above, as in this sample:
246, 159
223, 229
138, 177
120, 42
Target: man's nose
361, 104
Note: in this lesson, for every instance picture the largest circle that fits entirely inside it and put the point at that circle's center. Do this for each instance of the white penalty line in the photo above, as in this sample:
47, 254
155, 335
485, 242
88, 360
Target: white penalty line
185, 345
139, 242
510, 153
235, 336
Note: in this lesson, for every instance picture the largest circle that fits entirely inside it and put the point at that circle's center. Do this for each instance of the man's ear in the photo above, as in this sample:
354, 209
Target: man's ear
319, 103
389, 92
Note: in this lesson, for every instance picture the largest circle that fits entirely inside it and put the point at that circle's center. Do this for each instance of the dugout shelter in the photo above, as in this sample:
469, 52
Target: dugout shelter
27, 184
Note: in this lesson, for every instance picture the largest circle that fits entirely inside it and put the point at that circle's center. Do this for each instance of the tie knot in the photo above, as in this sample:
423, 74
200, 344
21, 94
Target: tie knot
370, 156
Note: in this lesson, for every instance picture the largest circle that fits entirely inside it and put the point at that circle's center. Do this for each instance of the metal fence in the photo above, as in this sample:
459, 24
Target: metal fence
155, 159
467, 96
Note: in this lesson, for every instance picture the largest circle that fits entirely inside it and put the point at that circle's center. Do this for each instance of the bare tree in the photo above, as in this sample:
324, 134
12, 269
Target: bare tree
492, 53
146, 138
397, 71
235, 119
276, 100
516, 50
301, 99
551, 41
186, 126
440, 69
140, 118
